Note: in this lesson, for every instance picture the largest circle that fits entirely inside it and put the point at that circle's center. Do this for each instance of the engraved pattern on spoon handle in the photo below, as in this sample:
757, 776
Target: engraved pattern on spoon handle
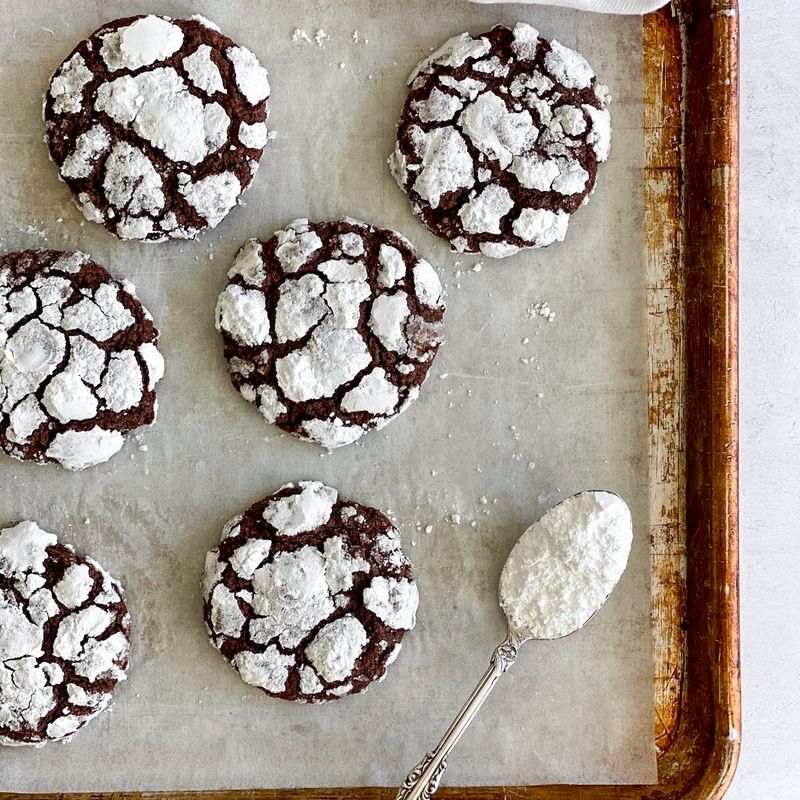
414, 787
423, 780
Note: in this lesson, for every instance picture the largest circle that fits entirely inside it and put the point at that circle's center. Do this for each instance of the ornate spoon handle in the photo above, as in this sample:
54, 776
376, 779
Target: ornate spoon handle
423, 780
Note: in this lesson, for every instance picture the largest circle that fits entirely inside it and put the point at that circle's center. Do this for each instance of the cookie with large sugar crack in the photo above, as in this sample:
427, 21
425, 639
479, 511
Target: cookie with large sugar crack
157, 125
78, 359
330, 328
64, 637
500, 140
309, 596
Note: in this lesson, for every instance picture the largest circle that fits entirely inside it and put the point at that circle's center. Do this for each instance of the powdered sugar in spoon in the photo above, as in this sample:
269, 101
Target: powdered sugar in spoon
558, 575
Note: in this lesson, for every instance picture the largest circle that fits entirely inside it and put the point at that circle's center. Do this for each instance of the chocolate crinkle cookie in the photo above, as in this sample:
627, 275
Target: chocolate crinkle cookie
157, 125
330, 328
309, 596
500, 139
78, 359
64, 637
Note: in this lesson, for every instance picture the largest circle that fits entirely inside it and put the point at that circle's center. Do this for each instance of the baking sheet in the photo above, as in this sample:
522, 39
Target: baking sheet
502, 430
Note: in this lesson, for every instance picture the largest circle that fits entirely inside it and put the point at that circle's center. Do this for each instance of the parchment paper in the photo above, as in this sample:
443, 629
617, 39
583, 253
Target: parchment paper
521, 425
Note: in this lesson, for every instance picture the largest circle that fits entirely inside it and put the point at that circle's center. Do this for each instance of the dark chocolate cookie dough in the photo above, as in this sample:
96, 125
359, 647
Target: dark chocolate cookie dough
309, 596
500, 139
330, 328
157, 125
64, 637
78, 359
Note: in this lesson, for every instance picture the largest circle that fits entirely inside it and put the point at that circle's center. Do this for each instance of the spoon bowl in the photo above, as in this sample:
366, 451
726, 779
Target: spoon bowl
564, 567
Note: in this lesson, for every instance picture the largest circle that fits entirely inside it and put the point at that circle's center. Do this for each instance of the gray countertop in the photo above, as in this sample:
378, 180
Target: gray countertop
770, 400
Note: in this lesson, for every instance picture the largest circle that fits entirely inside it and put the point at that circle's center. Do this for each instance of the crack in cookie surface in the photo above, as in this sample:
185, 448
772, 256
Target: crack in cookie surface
157, 125
309, 596
330, 328
500, 139
64, 637
78, 359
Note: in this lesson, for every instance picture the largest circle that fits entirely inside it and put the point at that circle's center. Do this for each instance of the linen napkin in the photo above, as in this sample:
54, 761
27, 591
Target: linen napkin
604, 6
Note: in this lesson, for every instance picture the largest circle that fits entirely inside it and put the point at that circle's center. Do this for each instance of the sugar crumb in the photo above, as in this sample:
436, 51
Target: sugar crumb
541, 309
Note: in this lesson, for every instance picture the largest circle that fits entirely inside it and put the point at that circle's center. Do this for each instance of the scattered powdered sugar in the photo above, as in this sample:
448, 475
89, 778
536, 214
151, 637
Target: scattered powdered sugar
564, 566
55, 590
320, 38
541, 309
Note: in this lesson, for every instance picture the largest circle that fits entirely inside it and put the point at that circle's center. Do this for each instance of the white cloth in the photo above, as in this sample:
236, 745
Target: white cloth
604, 6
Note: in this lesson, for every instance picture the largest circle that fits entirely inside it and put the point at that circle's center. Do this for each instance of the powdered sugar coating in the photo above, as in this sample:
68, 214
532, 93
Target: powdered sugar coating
308, 595
303, 511
157, 125
78, 359
564, 566
64, 637
500, 140
330, 328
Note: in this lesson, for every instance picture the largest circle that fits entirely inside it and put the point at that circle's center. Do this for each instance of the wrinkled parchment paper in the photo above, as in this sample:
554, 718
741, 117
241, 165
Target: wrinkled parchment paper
518, 410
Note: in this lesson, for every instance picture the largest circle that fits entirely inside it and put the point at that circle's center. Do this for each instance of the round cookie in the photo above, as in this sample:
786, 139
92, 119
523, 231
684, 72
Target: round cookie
78, 359
309, 596
64, 637
500, 139
330, 328
157, 125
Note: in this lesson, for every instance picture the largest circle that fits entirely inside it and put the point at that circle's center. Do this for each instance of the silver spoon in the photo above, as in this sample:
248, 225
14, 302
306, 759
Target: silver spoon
558, 575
